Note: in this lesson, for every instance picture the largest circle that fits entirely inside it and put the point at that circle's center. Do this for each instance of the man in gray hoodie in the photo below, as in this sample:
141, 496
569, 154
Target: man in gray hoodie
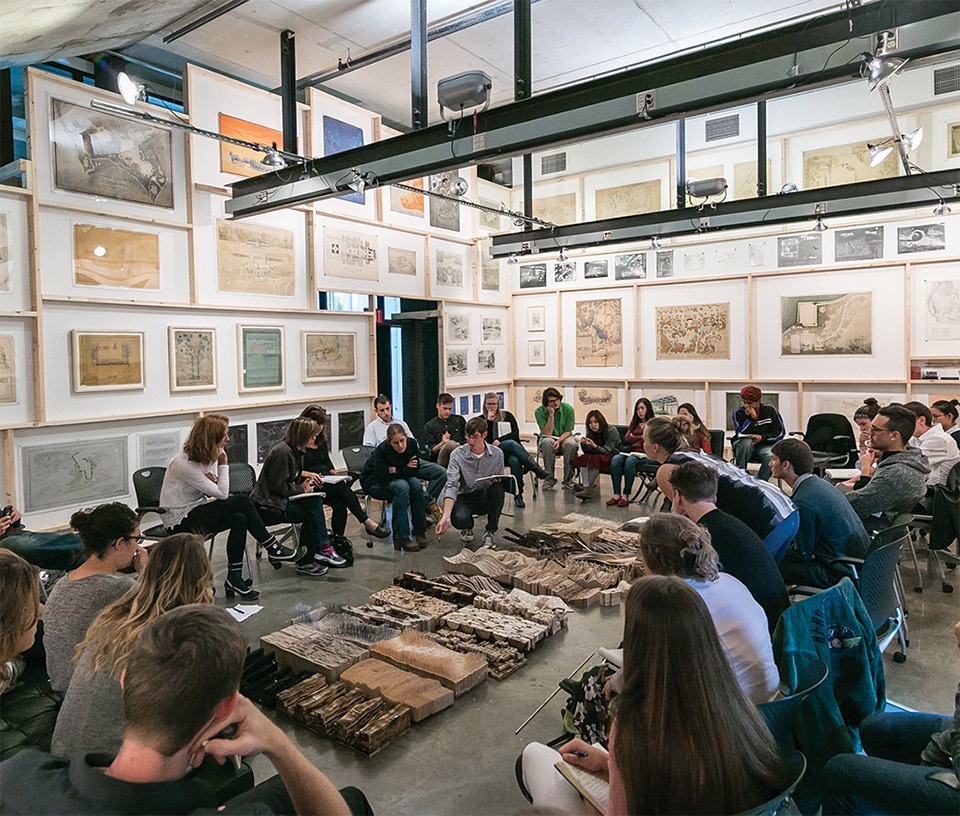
899, 479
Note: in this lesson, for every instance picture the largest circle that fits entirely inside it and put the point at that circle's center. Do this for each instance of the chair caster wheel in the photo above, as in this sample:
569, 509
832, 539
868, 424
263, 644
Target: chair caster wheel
946, 587
918, 589
370, 544
899, 657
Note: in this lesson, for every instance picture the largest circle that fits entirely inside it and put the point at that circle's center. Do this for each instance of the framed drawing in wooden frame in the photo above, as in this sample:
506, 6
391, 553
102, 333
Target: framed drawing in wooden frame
327, 356
107, 362
193, 359
260, 358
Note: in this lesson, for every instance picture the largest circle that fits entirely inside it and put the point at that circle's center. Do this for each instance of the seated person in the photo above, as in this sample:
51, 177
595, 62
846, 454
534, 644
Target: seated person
180, 702
937, 446
430, 472
91, 718
756, 426
741, 551
59, 551
472, 485
555, 420
197, 499
863, 417
912, 765
899, 480
598, 446
623, 466
944, 413
20, 610
504, 433
732, 766
689, 410
111, 539
829, 528
391, 474
281, 478
445, 432
337, 495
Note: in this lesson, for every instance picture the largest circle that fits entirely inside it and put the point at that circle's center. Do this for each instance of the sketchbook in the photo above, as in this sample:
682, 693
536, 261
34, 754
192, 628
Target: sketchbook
595, 789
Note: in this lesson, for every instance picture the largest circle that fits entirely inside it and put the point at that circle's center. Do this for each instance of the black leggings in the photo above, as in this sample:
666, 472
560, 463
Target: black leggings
341, 498
238, 514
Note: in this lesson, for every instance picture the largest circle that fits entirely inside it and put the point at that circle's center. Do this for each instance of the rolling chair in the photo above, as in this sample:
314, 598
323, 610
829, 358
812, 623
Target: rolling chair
831, 438
942, 528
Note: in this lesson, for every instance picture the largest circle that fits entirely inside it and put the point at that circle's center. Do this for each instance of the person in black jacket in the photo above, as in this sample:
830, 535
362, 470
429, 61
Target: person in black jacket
445, 432
757, 425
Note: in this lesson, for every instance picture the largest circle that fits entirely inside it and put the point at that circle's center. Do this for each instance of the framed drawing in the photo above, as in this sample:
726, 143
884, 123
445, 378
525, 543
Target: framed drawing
631, 266
237, 448
458, 328
597, 269
665, 263
564, 271
8, 369
401, 261
800, 250
601, 399
327, 356
4, 254
489, 267
942, 307
444, 214
260, 358
74, 474
557, 209
533, 276
845, 164
628, 199
599, 333
860, 244
107, 362
243, 161
350, 425
407, 202
486, 362
456, 362
537, 352
103, 256
953, 140
448, 268
536, 319
269, 433
826, 324
350, 254
193, 359
491, 329
921, 238
157, 449
255, 259
694, 332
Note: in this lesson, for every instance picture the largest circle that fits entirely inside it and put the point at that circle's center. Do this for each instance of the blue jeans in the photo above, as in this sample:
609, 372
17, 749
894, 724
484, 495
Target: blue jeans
890, 779
746, 450
309, 514
405, 494
623, 467
780, 537
435, 477
59, 551
517, 459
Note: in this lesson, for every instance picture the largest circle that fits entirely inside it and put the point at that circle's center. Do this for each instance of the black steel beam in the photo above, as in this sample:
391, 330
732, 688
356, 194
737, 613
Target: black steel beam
761, 148
6, 118
288, 89
209, 17
844, 200
418, 64
522, 82
681, 162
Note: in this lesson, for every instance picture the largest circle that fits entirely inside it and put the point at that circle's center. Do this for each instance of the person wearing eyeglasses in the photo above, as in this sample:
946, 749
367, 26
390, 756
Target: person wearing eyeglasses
555, 419
112, 542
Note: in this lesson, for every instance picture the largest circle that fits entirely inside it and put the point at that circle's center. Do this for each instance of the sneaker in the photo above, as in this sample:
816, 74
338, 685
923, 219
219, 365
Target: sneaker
488, 540
549, 483
277, 552
407, 544
519, 502
314, 569
466, 536
568, 484
330, 558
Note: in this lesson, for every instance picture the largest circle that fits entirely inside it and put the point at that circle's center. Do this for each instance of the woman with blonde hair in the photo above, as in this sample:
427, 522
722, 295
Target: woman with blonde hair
196, 498
91, 718
20, 610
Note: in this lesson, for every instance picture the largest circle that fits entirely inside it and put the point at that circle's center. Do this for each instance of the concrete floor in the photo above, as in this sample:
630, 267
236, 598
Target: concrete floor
461, 760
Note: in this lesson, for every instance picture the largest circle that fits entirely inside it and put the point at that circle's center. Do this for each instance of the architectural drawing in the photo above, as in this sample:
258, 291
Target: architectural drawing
489, 220
694, 261
448, 268
800, 250
458, 329
444, 214
328, 356
103, 362
629, 199
401, 261
103, 256
193, 362
745, 179
595, 269
533, 396
8, 369
558, 209
244, 161
456, 362
491, 330
157, 449
489, 268
862, 244
953, 140
486, 361
663, 404
74, 474
599, 333
537, 352
337, 137
603, 400
665, 263
693, 332
756, 254
350, 425
255, 259
4, 254
845, 164
349, 254
536, 319
533, 276
943, 310
269, 433
97, 154
921, 238
407, 202
827, 324
260, 358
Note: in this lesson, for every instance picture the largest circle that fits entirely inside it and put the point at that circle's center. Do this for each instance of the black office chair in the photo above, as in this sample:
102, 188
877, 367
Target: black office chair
717, 442
781, 714
795, 766
941, 527
242, 480
147, 483
831, 438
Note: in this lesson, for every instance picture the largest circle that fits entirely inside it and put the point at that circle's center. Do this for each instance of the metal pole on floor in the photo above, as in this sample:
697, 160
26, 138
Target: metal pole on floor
544, 703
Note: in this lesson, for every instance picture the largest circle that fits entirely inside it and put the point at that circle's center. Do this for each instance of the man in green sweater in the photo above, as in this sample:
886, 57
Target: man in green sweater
555, 420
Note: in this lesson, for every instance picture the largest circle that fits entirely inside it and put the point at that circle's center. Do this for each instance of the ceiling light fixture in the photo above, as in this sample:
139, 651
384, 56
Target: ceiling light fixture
941, 209
272, 157
879, 70
655, 242
469, 89
789, 187
363, 181
131, 90
561, 257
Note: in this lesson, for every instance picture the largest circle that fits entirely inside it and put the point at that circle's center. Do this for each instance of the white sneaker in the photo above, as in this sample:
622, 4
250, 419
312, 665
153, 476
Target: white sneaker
466, 536
330, 558
488, 540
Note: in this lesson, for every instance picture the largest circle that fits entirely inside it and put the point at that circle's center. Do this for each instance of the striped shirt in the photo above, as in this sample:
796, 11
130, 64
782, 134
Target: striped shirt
465, 468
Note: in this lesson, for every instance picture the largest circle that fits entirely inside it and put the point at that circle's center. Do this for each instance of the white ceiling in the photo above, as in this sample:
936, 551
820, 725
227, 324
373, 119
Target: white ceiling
571, 39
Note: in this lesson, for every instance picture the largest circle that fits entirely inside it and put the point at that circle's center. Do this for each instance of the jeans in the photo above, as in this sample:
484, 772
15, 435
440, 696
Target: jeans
569, 449
405, 494
623, 467
780, 537
517, 459
435, 477
890, 779
746, 450
58, 551
238, 514
341, 498
487, 502
309, 514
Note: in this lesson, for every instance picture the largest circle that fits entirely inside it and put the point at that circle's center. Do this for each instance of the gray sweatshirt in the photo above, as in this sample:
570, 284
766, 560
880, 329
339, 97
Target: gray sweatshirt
899, 482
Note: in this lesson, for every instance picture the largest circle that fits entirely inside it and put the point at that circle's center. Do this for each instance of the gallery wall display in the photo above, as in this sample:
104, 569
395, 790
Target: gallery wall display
158, 449
451, 270
632, 190
935, 319
473, 342
260, 358
8, 369
327, 356
193, 359
270, 433
255, 259
14, 253
603, 329
107, 362
693, 332
82, 473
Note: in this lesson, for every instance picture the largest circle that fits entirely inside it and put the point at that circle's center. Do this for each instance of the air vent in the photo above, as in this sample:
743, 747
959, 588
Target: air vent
946, 80
553, 163
723, 127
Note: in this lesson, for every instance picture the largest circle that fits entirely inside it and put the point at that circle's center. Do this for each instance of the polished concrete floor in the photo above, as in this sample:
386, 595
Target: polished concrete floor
461, 760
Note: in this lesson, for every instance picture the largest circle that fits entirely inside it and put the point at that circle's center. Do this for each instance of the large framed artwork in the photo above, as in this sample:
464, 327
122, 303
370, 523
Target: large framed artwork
941, 301
193, 359
845, 164
157, 449
255, 259
599, 333
693, 332
243, 161
74, 473
327, 356
8, 369
269, 433
260, 358
349, 254
827, 324
107, 362
122, 258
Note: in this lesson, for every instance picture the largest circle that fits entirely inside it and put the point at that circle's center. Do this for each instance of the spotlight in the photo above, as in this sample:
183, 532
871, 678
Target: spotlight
941, 209
819, 226
459, 187
361, 181
913, 138
469, 89
878, 153
880, 70
512, 259
655, 242
272, 158
706, 188
789, 187
561, 257
130, 89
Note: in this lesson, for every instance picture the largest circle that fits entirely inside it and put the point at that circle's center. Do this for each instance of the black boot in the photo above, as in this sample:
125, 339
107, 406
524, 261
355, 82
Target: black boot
277, 553
236, 585
518, 500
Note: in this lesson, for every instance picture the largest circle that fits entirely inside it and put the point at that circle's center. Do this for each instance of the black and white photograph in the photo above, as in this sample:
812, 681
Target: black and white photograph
595, 269
632, 266
921, 238
533, 276
486, 362
665, 263
456, 362
564, 271
800, 250
862, 244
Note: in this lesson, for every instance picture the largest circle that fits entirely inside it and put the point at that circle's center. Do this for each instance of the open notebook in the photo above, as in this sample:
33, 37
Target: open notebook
595, 789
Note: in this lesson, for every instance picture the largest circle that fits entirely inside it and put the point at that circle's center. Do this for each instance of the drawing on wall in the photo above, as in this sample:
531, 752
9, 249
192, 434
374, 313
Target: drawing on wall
921, 238
537, 352
8, 369
401, 261
533, 397
834, 404
74, 474
157, 449
603, 400
733, 402
237, 448
745, 179
663, 404
255, 259
464, 405
260, 358
725, 257
826, 324
444, 214
97, 154
665, 263
756, 254
456, 362
327, 356
350, 425
693, 332
458, 329
193, 359
800, 250
491, 330
862, 244
595, 269
486, 362
337, 137
106, 362
489, 220
628, 199
953, 140
599, 333
448, 268
489, 268
943, 310
245, 161
349, 254
103, 256
269, 433
845, 164
694, 262
477, 400
4, 254
631, 266
408, 202
533, 276
537, 319
558, 209
564, 271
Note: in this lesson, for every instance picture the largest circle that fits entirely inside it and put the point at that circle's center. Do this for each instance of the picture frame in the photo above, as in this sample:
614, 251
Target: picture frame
537, 319
260, 358
193, 358
537, 352
326, 356
107, 361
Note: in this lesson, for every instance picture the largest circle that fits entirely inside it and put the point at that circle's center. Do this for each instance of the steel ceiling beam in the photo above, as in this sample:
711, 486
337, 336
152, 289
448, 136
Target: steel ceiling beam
749, 69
